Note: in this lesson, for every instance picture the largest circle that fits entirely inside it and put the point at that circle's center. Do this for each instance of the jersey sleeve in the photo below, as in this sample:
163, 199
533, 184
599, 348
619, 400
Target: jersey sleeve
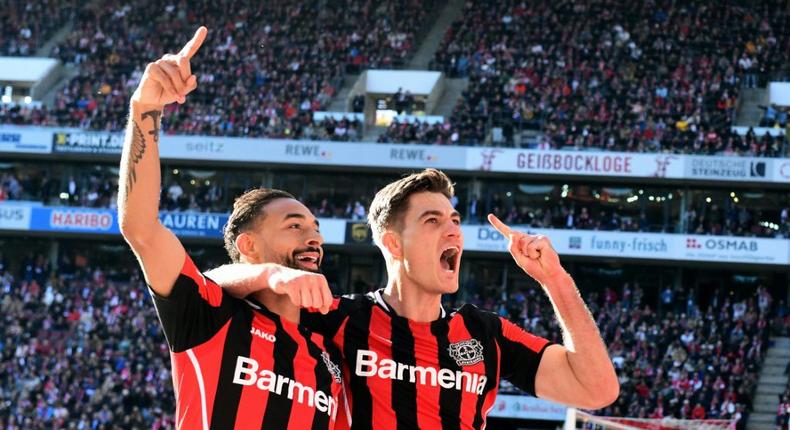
521, 354
195, 310
328, 324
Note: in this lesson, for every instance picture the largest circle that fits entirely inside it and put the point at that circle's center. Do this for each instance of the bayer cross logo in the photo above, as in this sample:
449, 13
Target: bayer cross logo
466, 352
331, 367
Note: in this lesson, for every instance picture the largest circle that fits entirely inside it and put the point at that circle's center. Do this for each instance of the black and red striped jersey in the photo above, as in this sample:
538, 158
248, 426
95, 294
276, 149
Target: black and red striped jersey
402, 374
238, 365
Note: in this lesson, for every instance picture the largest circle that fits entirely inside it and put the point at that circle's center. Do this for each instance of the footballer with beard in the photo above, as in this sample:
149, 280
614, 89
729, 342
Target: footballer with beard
236, 363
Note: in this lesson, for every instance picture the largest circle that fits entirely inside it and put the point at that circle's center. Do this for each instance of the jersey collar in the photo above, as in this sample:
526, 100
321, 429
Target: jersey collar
379, 299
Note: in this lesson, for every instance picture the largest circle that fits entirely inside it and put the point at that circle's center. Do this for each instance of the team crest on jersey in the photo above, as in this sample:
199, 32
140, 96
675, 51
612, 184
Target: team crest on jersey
466, 352
331, 367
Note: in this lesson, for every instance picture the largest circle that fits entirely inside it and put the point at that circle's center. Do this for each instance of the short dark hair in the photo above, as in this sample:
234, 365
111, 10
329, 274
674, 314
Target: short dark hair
392, 201
248, 210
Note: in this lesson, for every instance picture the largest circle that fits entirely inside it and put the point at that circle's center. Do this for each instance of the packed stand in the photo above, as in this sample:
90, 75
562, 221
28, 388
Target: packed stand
735, 220
565, 215
81, 348
420, 132
343, 130
25, 26
677, 359
261, 73
783, 413
605, 75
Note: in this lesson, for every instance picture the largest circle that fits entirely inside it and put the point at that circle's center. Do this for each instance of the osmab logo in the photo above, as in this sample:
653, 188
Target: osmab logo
333, 368
722, 244
466, 352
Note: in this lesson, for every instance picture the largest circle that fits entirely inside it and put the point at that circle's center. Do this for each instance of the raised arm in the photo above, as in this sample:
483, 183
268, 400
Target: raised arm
159, 252
580, 373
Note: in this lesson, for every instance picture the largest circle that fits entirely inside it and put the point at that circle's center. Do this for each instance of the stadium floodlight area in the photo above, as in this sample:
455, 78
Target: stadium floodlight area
27, 77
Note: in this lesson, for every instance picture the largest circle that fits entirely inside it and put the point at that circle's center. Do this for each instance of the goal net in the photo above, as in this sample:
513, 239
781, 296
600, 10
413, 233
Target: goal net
582, 420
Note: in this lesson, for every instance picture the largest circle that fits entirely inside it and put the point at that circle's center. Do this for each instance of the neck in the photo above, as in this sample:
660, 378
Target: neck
410, 301
279, 304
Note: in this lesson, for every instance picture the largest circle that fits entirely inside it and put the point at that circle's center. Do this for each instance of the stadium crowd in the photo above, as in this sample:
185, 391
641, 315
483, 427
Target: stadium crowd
262, 73
664, 77
674, 357
26, 26
603, 74
81, 347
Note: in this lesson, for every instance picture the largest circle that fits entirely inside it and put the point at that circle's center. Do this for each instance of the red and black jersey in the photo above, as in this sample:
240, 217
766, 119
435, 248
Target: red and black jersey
402, 374
238, 365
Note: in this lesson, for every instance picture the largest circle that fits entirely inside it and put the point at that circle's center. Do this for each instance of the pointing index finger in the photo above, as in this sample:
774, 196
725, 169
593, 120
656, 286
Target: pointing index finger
193, 45
499, 225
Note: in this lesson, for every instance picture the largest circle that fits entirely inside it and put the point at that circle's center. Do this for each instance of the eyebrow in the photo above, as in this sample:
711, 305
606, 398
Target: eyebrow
438, 213
299, 216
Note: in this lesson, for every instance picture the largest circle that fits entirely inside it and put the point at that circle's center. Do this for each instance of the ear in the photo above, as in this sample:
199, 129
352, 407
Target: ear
247, 247
391, 241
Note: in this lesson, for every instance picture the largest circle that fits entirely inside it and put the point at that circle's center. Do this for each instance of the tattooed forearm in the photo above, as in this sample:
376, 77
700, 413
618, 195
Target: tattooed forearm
154, 115
137, 148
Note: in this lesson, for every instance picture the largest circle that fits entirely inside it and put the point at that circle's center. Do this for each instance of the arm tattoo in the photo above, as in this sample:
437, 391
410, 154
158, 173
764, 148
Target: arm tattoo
138, 146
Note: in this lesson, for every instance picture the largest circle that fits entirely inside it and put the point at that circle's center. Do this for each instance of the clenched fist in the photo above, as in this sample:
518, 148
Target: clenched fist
169, 79
305, 289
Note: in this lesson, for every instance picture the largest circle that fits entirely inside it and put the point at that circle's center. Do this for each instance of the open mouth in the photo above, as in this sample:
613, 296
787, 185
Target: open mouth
308, 260
449, 259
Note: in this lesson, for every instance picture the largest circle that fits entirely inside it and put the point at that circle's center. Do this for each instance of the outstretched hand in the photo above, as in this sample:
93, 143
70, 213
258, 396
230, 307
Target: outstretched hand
170, 79
533, 253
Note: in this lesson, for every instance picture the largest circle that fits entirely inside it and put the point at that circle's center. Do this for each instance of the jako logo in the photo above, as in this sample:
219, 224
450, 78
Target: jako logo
262, 334
246, 373
368, 365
